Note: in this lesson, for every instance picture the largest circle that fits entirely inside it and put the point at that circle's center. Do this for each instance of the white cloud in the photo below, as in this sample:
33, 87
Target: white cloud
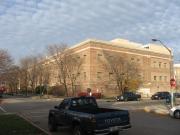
34, 24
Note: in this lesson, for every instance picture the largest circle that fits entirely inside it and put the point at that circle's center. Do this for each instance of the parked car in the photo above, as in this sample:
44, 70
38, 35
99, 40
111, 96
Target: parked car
160, 95
2, 90
128, 96
97, 95
80, 94
138, 95
175, 112
84, 116
1, 93
177, 95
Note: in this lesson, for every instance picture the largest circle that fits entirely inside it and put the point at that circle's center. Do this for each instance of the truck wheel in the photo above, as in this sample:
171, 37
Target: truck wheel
52, 124
77, 131
177, 114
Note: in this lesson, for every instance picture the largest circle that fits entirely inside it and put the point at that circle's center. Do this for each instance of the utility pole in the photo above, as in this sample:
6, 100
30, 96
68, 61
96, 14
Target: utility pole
172, 80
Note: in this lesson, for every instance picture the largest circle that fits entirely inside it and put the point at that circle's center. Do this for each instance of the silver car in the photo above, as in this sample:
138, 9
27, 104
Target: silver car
175, 112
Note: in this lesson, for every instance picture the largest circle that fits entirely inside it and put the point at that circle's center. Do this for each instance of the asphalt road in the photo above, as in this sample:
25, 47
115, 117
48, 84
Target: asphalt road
142, 123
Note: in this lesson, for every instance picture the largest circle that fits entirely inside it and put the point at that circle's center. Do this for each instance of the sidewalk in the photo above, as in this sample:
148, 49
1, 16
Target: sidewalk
158, 109
28, 99
47, 98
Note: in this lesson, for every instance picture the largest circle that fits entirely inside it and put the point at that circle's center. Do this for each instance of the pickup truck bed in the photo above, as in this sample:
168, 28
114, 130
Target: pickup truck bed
94, 110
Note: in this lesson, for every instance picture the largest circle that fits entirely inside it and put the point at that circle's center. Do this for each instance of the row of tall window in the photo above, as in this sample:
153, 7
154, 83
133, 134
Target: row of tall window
160, 78
160, 64
99, 75
135, 59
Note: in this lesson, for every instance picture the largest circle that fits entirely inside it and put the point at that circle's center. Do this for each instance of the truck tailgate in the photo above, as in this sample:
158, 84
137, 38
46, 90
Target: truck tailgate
111, 119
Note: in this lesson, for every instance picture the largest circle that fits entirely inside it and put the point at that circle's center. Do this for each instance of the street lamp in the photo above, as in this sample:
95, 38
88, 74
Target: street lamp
171, 70
157, 40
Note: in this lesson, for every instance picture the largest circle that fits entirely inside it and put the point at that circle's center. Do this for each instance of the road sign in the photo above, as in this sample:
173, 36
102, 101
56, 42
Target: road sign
173, 82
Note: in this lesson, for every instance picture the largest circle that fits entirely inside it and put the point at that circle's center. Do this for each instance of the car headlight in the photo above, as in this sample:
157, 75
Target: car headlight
173, 109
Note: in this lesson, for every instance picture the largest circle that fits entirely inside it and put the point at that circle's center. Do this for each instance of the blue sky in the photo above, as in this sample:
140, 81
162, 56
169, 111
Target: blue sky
28, 26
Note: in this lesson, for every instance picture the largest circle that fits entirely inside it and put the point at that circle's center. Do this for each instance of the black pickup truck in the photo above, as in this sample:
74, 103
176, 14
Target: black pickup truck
84, 117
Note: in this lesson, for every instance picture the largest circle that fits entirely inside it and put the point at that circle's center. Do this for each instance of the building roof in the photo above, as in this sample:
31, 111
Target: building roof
158, 49
123, 43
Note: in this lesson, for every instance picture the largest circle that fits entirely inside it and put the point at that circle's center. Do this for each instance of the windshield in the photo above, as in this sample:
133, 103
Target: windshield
83, 102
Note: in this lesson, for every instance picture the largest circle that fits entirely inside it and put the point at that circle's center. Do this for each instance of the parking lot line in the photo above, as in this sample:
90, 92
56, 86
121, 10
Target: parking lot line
2, 109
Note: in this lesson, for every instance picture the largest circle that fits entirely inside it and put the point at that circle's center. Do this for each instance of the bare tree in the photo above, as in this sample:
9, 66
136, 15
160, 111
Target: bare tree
74, 64
58, 55
43, 74
68, 65
5, 64
33, 71
24, 75
12, 75
132, 76
5, 61
121, 71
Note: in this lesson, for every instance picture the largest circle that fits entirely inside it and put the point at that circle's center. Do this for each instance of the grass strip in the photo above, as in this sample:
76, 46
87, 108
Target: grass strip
12, 124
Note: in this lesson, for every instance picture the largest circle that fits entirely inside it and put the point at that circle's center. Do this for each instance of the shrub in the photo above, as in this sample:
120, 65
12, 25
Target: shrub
40, 90
56, 90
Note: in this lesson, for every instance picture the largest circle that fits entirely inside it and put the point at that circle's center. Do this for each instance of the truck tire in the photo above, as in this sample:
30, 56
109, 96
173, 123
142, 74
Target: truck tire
77, 131
52, 124
177, 114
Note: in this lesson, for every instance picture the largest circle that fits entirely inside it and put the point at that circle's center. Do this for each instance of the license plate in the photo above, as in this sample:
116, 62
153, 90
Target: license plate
114, 129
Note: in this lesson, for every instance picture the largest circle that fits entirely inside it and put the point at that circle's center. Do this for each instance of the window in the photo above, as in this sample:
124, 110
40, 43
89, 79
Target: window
165, 78
84, 75
154, 64
85, 55
132, 58
99, 54
64, 104
159, 64
155, 78
110, 76
99, 75
138, 60
165, 65
160, 78
147, 47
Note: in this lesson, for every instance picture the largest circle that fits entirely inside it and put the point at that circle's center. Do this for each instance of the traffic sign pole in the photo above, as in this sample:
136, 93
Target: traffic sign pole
173, 85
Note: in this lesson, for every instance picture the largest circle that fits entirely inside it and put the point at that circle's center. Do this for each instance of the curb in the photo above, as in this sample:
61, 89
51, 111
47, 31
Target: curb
28, 120
157, 111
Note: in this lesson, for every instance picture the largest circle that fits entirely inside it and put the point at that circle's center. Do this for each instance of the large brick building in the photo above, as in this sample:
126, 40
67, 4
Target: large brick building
154, 62
177, 74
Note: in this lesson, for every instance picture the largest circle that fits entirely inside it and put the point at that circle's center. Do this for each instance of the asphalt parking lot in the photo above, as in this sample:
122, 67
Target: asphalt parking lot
142, 123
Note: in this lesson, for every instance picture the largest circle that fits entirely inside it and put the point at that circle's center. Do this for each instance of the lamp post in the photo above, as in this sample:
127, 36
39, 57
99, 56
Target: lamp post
171, 67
